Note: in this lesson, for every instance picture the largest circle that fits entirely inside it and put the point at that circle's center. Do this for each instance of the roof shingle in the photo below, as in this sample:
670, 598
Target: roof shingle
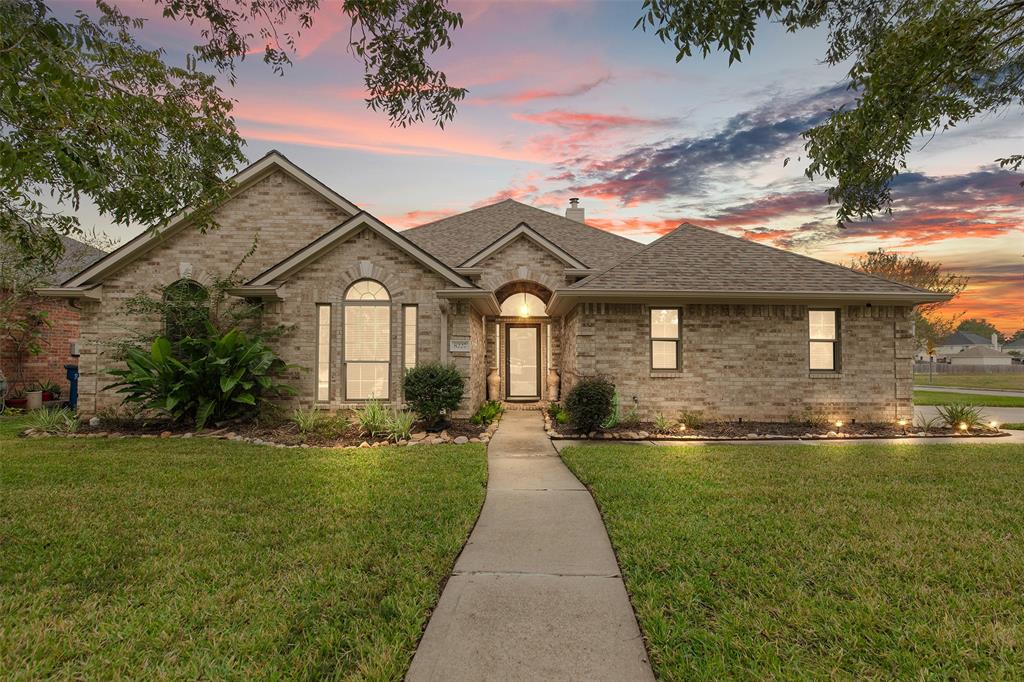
459, 237
695, 259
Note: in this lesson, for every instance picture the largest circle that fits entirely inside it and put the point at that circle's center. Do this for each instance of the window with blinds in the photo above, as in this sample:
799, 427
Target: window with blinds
323, 352
410, 330
367, 341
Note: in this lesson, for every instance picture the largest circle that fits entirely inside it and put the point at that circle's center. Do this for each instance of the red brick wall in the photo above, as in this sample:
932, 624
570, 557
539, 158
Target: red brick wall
55, 341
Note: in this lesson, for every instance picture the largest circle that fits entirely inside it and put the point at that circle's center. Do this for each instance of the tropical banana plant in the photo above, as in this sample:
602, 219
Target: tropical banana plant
202, 379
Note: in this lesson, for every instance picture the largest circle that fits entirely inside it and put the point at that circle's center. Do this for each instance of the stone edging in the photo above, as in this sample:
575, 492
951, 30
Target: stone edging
831, 435
418, 438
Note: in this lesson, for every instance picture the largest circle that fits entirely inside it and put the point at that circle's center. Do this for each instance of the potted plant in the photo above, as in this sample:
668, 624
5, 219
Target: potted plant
16, 398
51, 391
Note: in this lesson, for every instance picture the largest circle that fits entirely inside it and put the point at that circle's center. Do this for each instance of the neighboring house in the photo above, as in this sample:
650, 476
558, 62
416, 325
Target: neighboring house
957, 342
22, 369
525, 302
1015, 348
981, 355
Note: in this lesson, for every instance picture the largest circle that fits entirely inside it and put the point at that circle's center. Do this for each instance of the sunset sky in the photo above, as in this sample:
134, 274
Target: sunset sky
566, 99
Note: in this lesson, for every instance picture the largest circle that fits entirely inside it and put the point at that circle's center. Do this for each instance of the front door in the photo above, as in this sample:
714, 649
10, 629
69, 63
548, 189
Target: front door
522, 361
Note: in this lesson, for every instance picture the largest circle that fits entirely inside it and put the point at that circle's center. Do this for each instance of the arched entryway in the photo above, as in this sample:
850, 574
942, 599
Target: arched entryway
523, 344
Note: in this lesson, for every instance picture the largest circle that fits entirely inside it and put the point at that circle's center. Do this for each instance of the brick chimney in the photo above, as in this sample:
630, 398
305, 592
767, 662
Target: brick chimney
575, 211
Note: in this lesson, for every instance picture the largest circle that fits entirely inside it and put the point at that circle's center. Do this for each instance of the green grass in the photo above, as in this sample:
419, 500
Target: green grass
1001, 381
947, 398
198, 559
1017, 426
823, 562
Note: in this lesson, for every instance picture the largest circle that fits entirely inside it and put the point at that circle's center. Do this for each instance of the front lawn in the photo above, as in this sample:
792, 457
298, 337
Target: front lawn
201, 559
818, 562
1013, 382
946, 398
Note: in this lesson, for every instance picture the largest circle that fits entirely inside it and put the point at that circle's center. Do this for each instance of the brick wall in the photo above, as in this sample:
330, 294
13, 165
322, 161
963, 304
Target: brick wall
282, 213
749, 361
55, 342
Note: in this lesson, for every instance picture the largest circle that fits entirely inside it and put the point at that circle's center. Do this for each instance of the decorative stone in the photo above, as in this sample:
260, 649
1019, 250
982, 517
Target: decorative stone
474, 440
364, 444
418, 435
461, 440
165, 434
187, 434
642, 434
95, 421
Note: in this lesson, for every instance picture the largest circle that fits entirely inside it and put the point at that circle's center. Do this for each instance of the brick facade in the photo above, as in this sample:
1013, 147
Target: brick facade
749, 361
55, 342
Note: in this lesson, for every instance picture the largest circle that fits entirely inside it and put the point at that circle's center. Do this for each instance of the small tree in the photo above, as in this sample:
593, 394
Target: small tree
433, 391
930, 327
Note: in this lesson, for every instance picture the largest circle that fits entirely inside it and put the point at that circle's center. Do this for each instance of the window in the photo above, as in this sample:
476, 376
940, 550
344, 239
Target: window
824, 340
409, 327
523, 305
367, 340
186, 310
323, 353
664, 338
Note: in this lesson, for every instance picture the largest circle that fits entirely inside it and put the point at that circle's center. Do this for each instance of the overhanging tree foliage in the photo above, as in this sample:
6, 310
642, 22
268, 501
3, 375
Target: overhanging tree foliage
86, 112
917, 68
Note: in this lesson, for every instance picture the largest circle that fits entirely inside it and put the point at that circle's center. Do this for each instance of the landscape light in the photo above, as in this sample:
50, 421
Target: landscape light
682, 427
994, 425
963, 426
839, 424
902, 422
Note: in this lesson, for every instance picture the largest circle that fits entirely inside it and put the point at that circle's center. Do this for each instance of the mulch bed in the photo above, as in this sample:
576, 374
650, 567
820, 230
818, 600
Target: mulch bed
285, 434
765, 431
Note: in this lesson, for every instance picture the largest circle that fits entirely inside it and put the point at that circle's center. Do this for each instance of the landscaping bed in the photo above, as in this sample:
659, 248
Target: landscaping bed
344, 434
750, 430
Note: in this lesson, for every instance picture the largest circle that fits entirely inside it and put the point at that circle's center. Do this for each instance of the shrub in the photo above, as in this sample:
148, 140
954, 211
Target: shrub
631, 419
928, 424
956, 414
313, 421
613, 417
589, 403
487, 413
400, 425
374, 419
663, 424
558, 413
692, 420
214, 377
433, 391
53, 421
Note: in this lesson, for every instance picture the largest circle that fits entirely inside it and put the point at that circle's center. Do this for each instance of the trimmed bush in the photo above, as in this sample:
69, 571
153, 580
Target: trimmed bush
433, 391
589, 403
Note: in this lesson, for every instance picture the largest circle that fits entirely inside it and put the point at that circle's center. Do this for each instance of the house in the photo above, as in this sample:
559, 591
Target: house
960, 341
1015, 348
524, 302
51, 325
981, 355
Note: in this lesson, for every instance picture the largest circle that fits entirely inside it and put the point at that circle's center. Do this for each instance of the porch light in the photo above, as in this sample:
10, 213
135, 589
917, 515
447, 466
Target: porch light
524, 309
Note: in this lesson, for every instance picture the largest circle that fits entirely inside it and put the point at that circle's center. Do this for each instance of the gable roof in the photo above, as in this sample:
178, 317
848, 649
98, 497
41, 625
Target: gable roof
527, 232
353, 225
1014, 345
272, 161
693, 259
959, 338
458, 238
980, 352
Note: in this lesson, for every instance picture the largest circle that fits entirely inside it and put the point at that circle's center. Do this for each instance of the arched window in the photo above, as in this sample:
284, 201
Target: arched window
523, 304
186, 310
367, 340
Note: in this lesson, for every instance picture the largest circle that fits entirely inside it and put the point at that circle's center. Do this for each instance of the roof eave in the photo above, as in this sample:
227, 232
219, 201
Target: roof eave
564, 299
93, 293
483, 301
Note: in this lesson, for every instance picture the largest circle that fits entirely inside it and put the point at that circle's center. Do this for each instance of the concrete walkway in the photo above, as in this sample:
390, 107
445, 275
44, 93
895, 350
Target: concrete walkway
536, 593
1002, 415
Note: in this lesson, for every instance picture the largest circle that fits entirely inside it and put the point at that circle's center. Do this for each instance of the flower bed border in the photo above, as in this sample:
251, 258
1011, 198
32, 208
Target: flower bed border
829, 435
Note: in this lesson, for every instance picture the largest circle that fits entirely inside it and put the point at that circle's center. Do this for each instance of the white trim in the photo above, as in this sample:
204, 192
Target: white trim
89, 293
273, 160
523, 230
342, 232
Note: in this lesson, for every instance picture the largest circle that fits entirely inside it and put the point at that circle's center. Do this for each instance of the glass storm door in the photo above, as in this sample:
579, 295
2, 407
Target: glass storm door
522, 358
